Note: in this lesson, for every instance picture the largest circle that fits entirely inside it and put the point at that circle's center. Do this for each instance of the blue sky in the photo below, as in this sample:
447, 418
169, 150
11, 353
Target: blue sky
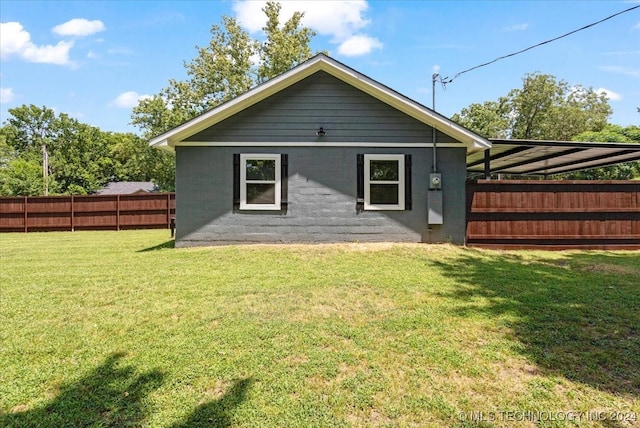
94, 59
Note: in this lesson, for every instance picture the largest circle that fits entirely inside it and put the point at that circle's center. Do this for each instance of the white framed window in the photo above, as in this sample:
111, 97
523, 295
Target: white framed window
384, 182
260, 181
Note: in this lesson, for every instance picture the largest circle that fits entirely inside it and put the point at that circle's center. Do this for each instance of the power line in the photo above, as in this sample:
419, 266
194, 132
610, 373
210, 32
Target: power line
446, 80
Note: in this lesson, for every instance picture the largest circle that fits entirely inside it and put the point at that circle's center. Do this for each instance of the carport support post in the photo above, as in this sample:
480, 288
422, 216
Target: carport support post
487, 164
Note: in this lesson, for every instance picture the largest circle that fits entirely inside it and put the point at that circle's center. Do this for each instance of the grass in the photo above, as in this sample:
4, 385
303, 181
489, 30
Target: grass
120, 329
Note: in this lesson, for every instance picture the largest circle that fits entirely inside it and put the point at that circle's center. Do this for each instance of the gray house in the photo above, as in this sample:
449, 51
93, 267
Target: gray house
320, 153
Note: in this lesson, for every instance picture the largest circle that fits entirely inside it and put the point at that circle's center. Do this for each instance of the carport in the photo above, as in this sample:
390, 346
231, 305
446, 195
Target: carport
551, 214
544, 158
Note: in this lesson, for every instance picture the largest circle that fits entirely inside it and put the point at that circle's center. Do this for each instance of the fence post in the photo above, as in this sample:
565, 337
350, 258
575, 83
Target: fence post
72, 213
118, 212
26, 214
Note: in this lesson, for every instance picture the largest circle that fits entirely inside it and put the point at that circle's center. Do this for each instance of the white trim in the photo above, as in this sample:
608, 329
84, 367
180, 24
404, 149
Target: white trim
244, 157
306, 144
367, 182
321, 62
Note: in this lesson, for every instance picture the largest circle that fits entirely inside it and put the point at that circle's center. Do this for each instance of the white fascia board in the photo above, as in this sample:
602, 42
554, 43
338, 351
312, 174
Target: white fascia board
162, 145
480, 145
309, 144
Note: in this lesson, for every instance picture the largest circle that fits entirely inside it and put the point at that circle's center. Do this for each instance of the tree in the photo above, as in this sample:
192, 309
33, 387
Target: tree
543, 109
29, 131
31, 126
82, 158
134, 160
79, 158
225, 69
18, 176
490, 118
286, 45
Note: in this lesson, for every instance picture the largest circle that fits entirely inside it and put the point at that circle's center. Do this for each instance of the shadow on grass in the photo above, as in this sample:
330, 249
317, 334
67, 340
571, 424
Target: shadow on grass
217, 413
164, 245
108, 396
577, 316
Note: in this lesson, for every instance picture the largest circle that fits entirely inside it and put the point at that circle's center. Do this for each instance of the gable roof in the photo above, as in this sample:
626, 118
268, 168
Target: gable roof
321, 62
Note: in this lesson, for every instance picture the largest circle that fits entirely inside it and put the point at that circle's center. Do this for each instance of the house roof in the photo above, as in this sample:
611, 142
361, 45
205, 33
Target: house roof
321, 62
127, 187
527, 157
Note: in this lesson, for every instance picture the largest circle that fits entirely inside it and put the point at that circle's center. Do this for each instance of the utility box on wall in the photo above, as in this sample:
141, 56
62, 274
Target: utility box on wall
434, 202
434, 199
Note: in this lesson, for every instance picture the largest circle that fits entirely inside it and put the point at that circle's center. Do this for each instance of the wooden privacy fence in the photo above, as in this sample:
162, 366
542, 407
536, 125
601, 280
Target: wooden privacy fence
90, 212
553, 214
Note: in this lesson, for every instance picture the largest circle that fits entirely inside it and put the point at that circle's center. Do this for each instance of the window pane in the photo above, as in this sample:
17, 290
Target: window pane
383, 170
385, 194
261, 193
261, 169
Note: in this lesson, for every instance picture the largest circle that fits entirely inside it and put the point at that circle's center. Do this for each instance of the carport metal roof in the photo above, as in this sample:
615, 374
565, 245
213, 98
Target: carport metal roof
527, 157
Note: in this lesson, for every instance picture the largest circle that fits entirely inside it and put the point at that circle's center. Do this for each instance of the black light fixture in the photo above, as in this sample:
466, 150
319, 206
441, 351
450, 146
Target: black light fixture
321, 132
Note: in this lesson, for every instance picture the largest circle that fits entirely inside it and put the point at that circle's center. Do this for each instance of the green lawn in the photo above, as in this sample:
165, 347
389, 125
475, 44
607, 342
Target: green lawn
120, 329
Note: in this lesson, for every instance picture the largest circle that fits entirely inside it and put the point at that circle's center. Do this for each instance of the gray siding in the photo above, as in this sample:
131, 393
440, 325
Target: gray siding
322, 180
346, 113
322, 199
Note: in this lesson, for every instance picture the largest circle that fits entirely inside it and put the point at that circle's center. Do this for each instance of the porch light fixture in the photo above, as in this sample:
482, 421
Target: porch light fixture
321, 132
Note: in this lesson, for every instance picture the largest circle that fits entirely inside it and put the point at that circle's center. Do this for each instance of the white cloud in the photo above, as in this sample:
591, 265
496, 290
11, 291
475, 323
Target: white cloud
128, 99
341, 20
516, 27
358, 44
79, 27
613, 96
14, 40
637, 26
6, 95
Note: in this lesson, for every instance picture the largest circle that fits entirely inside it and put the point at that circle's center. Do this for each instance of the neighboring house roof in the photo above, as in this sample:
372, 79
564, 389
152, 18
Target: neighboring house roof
321, 62
127, 187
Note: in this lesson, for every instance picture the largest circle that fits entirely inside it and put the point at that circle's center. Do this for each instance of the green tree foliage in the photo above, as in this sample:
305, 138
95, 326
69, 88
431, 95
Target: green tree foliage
490, 118
81, 158
19, 175
134, 160
225, 69
286, 45
543, 109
